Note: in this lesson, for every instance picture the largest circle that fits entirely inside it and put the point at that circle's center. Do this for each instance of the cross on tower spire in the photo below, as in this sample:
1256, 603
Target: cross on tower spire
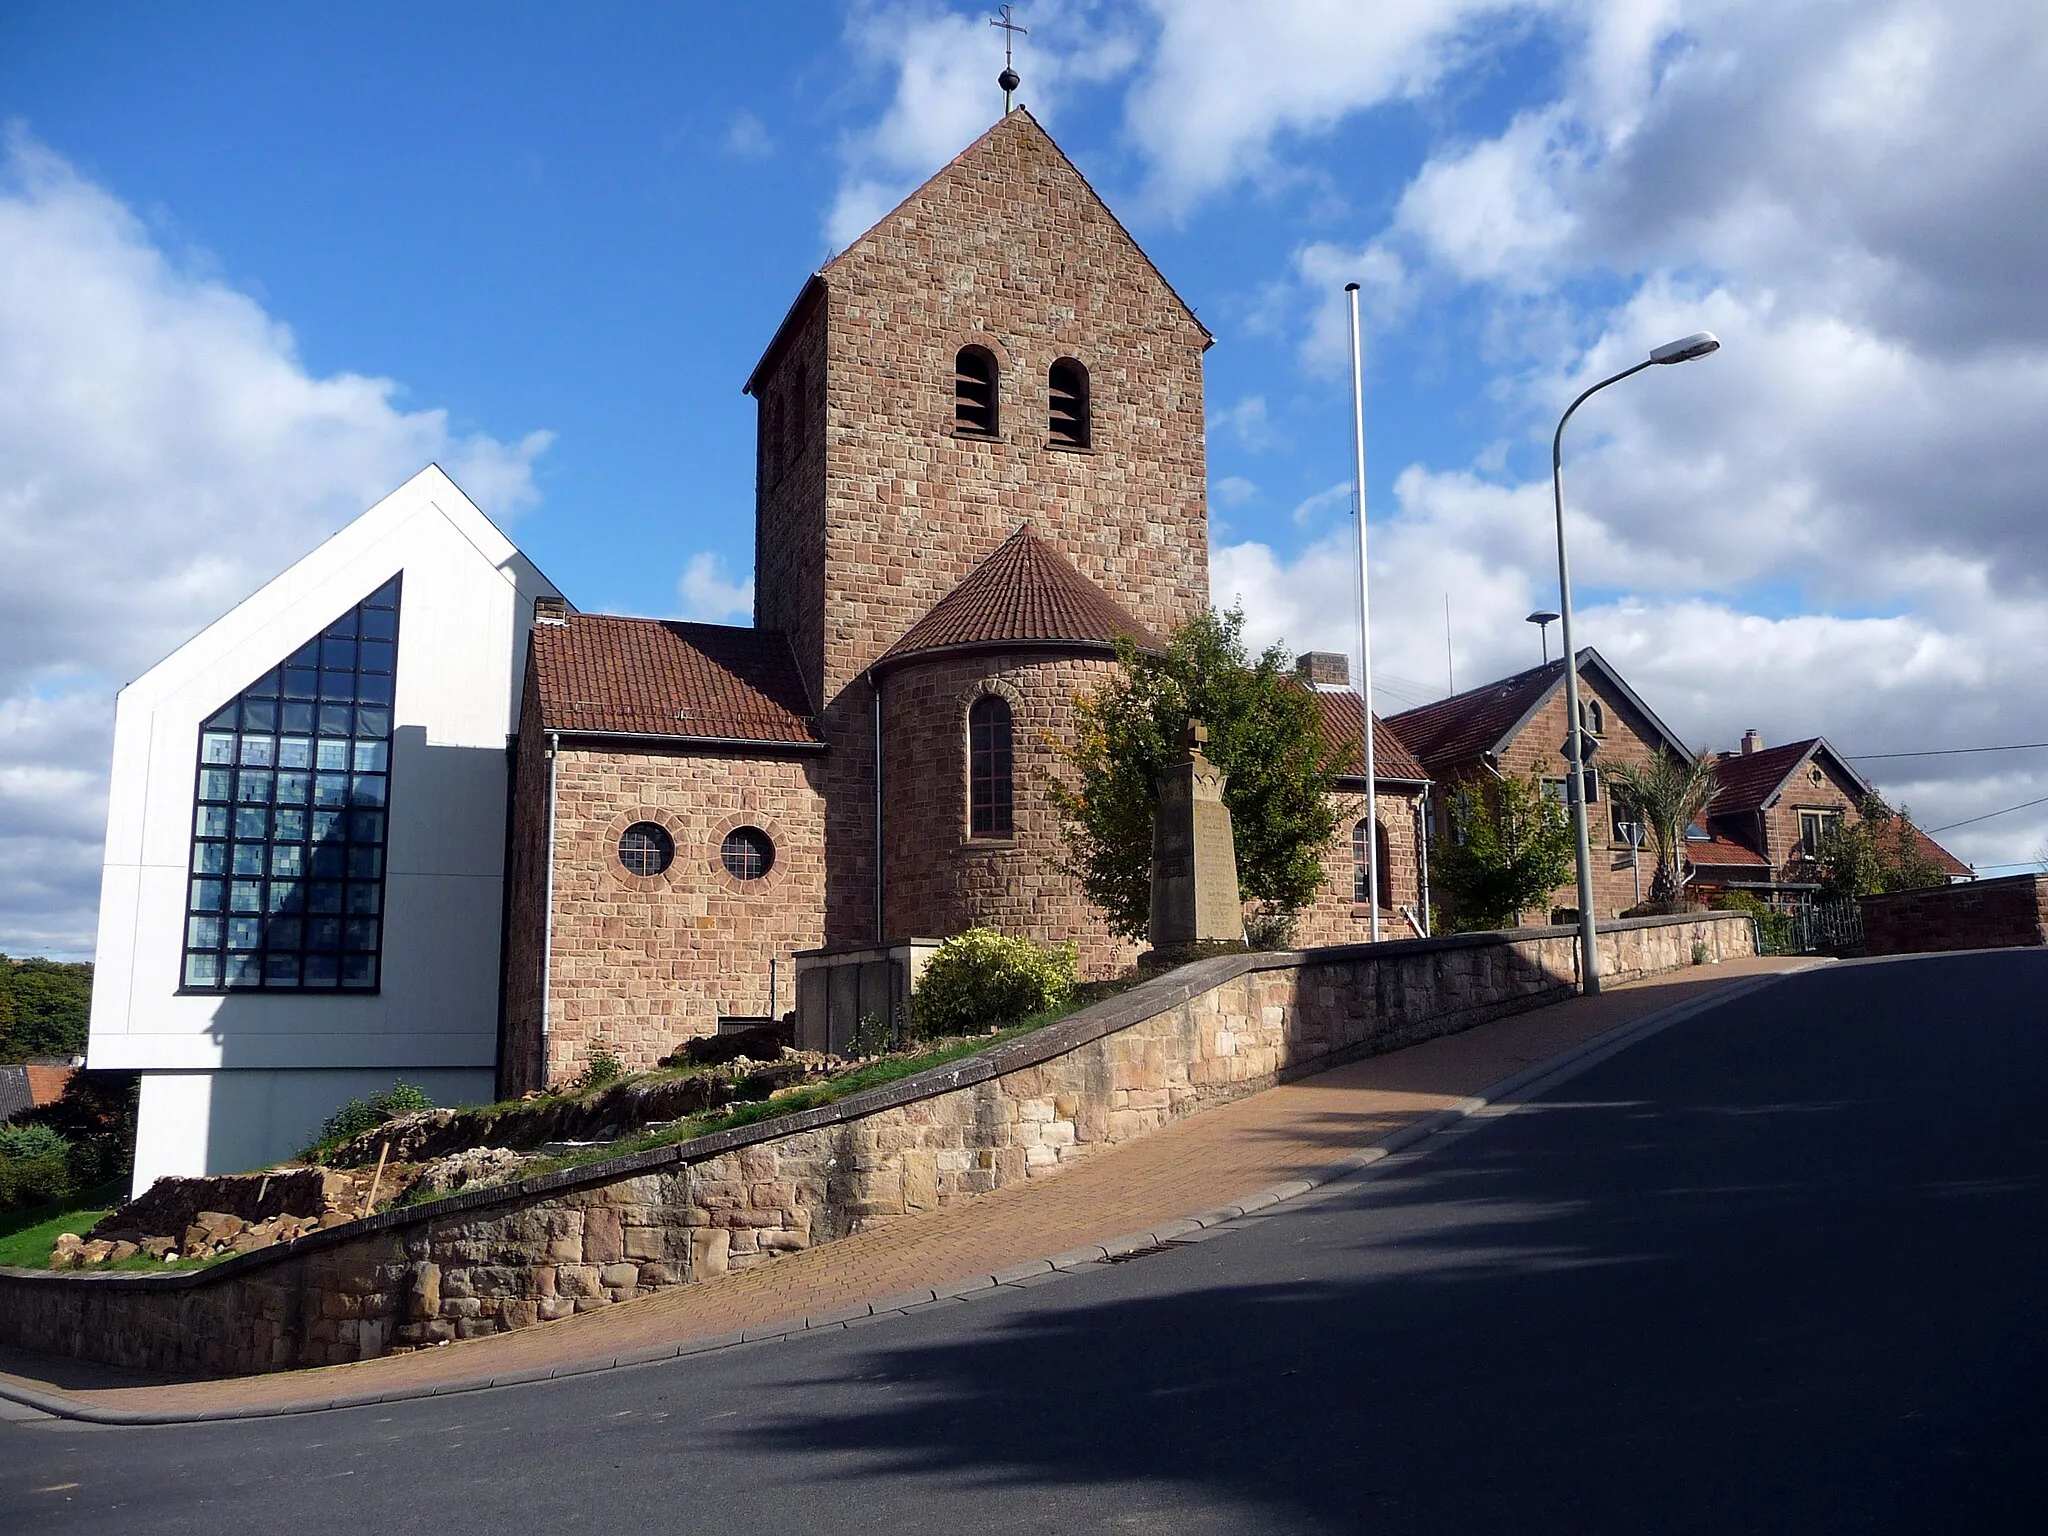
1008, 78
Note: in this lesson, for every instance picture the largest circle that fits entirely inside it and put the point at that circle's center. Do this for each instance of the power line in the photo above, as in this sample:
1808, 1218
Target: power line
1972, 821
1871, 757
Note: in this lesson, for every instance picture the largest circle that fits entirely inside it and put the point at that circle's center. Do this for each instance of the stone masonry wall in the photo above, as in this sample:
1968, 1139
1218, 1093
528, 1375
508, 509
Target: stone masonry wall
1336, 917
645, 962
1984, 914
940, 880
507, 1258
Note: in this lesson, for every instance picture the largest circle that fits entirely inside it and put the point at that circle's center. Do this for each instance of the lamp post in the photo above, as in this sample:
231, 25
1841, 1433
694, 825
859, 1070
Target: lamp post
1543, 621
1684, 350
1372, 803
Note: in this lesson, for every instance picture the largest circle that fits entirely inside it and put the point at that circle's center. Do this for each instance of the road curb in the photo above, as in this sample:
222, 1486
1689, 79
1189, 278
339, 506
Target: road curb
1367, 1162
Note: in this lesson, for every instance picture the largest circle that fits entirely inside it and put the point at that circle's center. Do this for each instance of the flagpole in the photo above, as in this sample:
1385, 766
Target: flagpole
1372, 802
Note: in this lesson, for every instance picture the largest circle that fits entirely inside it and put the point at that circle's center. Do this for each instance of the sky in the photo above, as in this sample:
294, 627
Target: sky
259, 264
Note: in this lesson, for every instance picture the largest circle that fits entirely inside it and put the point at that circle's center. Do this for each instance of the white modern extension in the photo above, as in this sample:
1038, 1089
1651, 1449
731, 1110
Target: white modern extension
303, 890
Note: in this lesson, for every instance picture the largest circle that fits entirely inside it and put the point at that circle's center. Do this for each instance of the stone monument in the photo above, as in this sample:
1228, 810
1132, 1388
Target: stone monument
1194, 864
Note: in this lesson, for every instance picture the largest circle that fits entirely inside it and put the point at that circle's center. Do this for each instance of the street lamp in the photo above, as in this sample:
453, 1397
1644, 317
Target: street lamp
1543, 620
1684, 350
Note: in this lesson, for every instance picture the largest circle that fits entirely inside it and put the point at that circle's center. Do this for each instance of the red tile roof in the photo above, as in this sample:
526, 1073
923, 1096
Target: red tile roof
1459, 729
1719, 852
659, 677
1343, 714
46, 1084
1027, 592
1745, 780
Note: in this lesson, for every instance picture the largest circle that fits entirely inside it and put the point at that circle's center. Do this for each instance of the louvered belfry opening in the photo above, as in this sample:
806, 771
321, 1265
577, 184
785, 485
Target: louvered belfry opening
974, 391
1067, 390
990, 783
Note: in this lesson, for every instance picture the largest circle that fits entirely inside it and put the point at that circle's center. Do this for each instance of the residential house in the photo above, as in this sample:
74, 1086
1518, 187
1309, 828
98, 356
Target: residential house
1516, 725
1772, 809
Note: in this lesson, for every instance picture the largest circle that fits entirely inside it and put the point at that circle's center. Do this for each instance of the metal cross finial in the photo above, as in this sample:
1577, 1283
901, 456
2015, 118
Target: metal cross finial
1008, 78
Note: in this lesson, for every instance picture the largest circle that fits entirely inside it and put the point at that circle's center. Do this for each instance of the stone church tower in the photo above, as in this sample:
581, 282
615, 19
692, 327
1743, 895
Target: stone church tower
996, 355
980, 462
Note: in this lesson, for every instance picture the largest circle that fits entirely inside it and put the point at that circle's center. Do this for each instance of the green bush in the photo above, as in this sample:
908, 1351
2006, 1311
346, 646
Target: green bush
1773, 928
32, 1181
360, 1115
601, 1069
981, 978
24, 1141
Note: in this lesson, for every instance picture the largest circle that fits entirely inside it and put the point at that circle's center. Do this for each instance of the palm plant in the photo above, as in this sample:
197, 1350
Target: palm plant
1667, 796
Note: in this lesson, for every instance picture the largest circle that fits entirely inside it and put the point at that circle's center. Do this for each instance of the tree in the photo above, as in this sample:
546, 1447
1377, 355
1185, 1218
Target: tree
1881, 851
1510, 847
1666, 797
1265, 733
44, 1008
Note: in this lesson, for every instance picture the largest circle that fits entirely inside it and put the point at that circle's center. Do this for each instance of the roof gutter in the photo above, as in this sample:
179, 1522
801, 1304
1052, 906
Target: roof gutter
691, 741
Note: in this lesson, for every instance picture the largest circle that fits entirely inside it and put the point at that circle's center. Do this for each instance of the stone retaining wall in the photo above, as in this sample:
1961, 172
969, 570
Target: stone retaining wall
1984, 914
544, 1248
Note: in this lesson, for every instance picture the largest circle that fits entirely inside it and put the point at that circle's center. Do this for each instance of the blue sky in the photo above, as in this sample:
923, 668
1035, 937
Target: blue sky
257, 263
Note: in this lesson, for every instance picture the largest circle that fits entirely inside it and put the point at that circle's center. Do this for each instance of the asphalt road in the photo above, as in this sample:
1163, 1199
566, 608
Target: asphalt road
1778, 1268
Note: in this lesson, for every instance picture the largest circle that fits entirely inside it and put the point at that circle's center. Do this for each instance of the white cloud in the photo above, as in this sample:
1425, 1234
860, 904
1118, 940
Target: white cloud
1226, 82
163, 452
747, 137
1233, 491
710, 595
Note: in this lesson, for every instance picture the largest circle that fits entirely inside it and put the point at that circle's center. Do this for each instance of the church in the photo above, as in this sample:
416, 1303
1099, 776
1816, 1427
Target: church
458, 831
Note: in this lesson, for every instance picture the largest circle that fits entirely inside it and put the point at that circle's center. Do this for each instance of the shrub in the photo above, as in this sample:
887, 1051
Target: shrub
25, 1141
981, 978
1773, 928
31, 1181
359, 1115
600, 1068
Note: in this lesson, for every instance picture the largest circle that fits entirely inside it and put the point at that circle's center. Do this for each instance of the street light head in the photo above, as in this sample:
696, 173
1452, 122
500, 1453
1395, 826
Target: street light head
1542, 617
1686, 348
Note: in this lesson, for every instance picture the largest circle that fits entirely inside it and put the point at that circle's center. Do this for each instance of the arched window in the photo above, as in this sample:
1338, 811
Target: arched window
1067, 394
991, 797
974, 391
1361, 842
1594, 716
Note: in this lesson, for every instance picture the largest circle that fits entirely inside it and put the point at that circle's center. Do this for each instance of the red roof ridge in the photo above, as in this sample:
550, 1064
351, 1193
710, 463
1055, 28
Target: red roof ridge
1027, 592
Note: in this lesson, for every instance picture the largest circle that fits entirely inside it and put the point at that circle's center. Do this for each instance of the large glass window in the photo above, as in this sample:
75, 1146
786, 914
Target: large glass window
990, 796
287, 885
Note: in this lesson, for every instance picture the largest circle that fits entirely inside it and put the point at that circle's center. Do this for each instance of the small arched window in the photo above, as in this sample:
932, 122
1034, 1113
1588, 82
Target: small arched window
1363, 846
991, 797
1067, 399
974, 392
1594, 716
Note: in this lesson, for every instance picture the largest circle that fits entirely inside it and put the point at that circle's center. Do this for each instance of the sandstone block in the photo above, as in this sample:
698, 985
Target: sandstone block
604, 1240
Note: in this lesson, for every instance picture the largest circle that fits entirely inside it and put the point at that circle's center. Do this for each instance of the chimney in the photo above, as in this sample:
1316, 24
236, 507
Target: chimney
550, 610
1751, 742
1323, 669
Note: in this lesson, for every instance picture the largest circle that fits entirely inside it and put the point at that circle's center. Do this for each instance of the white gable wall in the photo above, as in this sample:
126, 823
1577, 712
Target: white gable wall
466, 608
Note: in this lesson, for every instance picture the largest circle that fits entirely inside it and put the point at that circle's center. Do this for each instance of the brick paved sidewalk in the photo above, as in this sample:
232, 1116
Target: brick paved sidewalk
1198, 1164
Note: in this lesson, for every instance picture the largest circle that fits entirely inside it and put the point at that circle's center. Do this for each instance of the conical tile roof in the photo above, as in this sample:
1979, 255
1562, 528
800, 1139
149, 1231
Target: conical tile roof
1025, 593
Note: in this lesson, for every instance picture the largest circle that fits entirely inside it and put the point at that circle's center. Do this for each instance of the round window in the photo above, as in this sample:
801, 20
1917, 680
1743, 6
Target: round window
747, 852
646, 849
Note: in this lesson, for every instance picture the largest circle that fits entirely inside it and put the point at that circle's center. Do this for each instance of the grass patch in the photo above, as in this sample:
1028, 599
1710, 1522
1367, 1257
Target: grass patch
26, 1236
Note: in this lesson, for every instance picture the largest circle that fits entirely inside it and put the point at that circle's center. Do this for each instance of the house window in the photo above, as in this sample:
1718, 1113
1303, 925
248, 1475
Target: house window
1067, 395
1361, 842
1814, 827
974, 392
287, 883
747, 853
1593, 717
990, 787
1618, 821
646, 849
